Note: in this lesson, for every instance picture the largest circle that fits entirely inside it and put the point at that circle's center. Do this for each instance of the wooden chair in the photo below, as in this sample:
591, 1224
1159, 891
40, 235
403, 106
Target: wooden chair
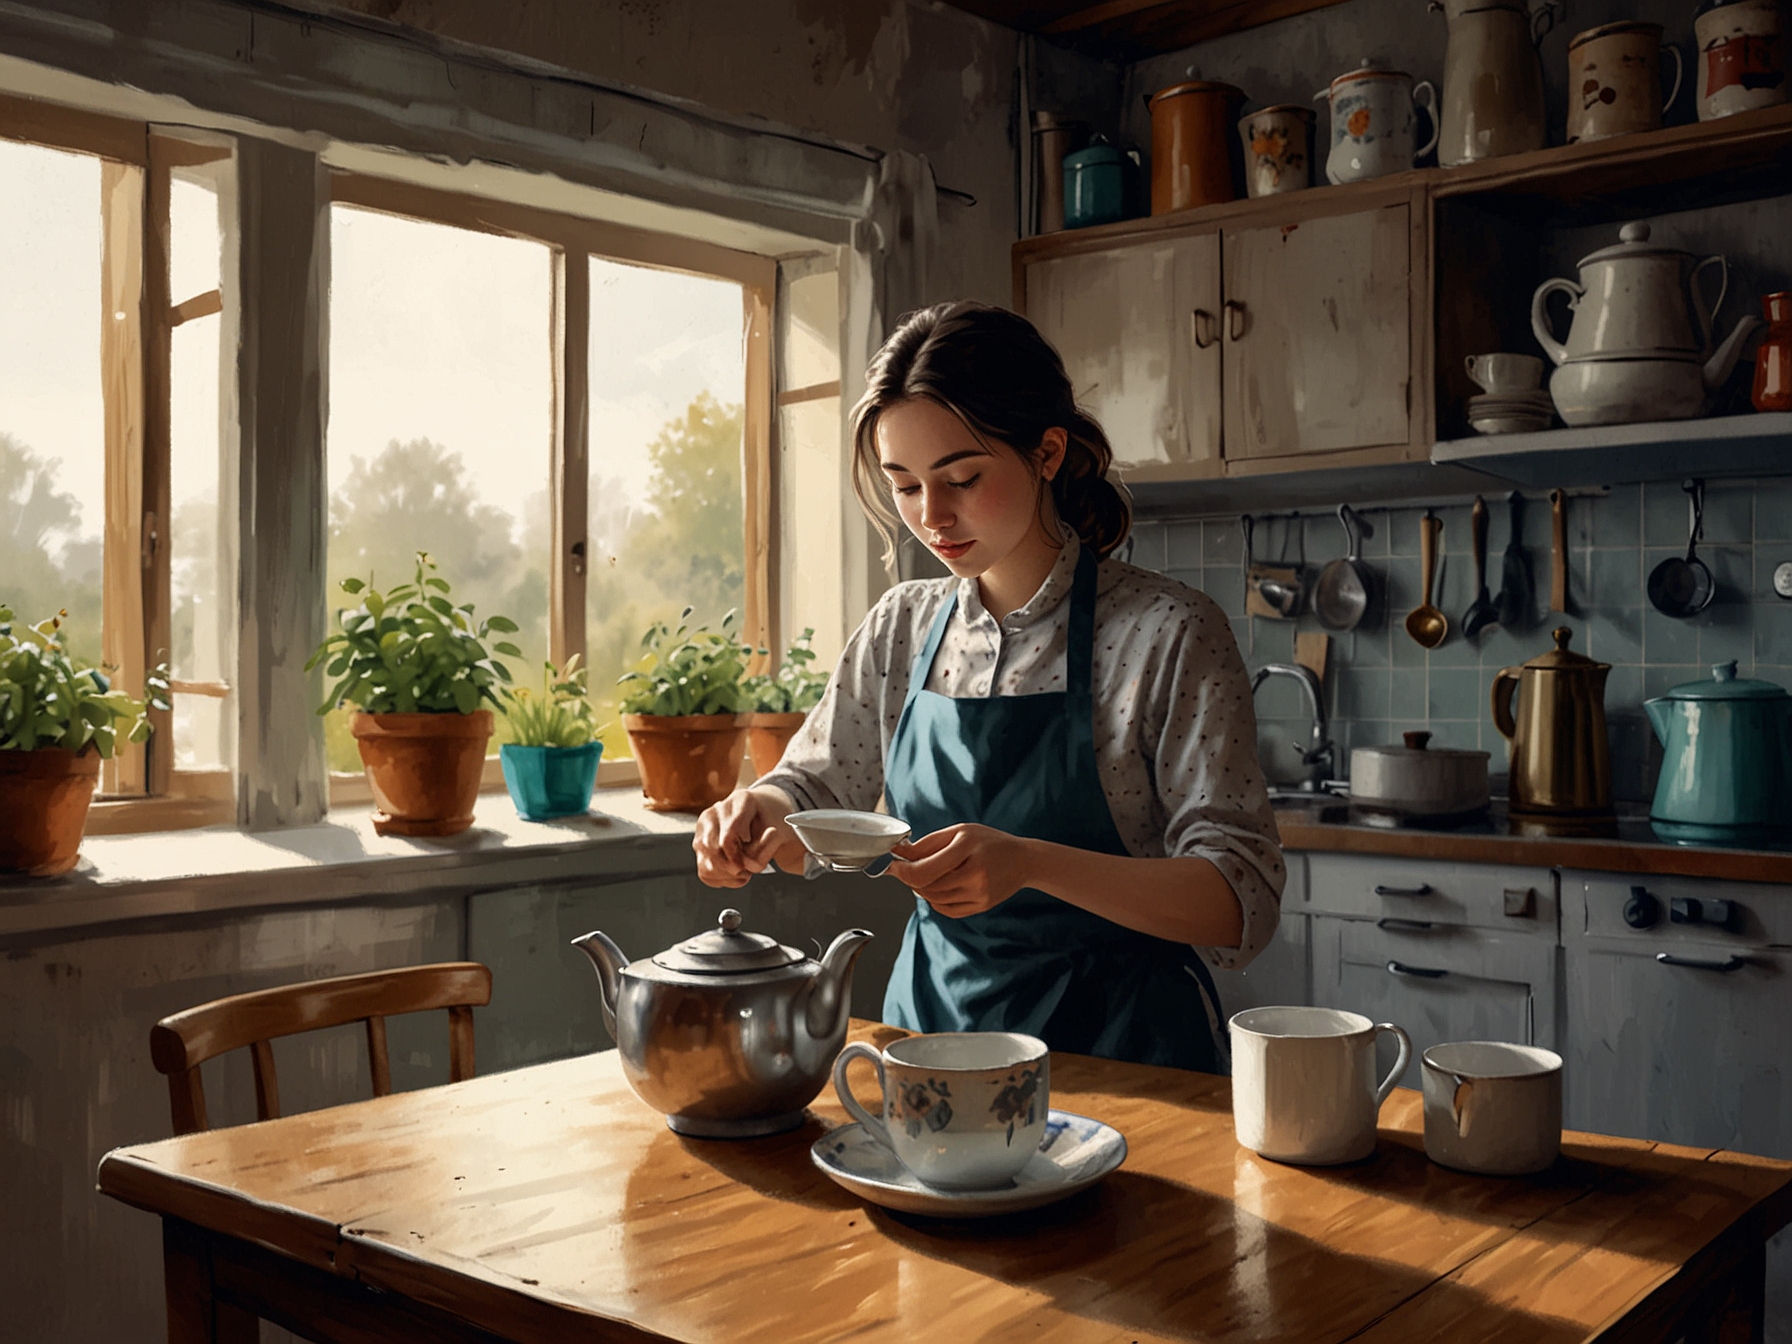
180, 1043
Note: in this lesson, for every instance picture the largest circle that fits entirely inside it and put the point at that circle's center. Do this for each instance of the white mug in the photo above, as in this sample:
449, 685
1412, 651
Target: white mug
961, 1110
1492, 1108
1373, 115
1502, 374
1303, 1083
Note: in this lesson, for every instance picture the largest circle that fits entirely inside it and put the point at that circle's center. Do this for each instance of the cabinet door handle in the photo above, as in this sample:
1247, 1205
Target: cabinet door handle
1405, 925
1419, 972
1693, 963
1423, 889
1237, 319
1207, 329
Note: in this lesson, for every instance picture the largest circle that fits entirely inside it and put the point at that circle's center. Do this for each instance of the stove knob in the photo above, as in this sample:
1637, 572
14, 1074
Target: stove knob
1642, 910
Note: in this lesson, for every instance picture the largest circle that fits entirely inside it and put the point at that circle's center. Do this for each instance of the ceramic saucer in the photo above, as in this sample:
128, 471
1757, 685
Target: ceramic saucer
1075, 1153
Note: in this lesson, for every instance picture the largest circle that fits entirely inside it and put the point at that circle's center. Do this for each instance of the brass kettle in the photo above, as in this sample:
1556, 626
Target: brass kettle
1561, 762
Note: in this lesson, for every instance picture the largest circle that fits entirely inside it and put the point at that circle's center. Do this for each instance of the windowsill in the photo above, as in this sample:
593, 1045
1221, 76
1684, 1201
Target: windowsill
219, 869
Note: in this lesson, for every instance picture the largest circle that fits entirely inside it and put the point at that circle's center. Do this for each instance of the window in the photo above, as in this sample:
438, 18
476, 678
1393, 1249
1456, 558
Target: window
574, 419
106, 416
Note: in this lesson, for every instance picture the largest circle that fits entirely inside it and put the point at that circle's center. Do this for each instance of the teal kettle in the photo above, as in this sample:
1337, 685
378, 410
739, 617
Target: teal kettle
1094, 185
1726, 770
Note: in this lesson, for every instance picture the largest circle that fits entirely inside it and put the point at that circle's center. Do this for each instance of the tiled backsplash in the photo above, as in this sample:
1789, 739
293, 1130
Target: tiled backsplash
1379, 682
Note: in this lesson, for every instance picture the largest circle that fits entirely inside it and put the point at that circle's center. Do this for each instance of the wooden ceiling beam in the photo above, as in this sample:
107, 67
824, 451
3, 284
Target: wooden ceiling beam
1133, 29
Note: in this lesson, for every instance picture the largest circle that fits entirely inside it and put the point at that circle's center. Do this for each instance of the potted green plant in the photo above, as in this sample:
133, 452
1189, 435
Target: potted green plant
58, 720
550, 762
418, 672
781, 701
684, 708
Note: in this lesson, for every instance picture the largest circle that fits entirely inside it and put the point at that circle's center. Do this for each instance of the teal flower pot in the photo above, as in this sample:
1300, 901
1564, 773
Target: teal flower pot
549, 782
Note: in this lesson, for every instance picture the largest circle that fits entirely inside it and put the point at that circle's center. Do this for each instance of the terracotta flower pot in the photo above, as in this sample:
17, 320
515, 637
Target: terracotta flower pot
687, 761
44, 797
767, 736
424, 769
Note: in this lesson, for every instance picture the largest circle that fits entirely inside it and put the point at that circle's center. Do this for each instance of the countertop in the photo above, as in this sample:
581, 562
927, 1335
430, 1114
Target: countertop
1629, 845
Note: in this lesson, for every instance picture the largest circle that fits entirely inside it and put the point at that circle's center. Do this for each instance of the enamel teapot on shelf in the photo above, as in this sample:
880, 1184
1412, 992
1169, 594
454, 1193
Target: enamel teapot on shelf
730, 1034
1641, 344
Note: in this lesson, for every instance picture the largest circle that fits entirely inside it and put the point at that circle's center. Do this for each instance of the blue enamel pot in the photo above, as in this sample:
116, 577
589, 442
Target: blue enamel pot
1726, 768
549, 782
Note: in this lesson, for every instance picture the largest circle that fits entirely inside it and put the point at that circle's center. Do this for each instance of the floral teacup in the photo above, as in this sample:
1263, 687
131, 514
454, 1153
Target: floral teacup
962, 1110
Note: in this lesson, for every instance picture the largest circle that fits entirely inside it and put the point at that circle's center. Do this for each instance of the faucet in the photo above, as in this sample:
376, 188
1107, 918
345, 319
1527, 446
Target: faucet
1320, 751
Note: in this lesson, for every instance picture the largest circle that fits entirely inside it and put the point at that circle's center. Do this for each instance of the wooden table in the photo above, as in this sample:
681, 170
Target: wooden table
549, 1204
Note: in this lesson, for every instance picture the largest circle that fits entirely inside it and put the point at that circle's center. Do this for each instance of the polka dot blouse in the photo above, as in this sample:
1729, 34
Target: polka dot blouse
1175, 732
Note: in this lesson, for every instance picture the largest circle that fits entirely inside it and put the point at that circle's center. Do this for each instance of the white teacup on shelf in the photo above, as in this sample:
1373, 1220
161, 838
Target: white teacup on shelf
1504, 374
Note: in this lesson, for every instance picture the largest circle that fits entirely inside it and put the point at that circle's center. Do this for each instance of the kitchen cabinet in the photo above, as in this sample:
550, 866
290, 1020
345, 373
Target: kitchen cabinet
1139, 331
1441, 983
1318, 349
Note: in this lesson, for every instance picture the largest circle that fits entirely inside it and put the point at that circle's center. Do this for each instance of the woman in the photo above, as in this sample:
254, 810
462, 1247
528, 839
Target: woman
1071, 739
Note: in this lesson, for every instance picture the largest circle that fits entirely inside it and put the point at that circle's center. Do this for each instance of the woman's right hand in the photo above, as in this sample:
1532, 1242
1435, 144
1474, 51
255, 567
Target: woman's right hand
741, 835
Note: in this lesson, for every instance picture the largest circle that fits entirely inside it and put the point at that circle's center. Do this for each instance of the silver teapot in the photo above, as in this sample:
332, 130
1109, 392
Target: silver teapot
730, 1034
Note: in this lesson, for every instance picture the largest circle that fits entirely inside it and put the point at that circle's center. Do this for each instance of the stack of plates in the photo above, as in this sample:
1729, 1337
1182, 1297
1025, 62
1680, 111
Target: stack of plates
1510, 412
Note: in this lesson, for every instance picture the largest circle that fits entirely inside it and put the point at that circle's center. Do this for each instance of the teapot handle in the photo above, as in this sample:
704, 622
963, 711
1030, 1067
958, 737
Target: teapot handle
1430, 105
1505, 683
1707, 313
1540, 315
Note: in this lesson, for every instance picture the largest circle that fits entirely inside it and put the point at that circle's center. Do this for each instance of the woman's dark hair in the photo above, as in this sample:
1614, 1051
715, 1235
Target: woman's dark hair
995, 372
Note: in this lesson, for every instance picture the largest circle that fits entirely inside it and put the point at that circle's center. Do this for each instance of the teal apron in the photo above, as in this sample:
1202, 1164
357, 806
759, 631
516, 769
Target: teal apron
1025, 764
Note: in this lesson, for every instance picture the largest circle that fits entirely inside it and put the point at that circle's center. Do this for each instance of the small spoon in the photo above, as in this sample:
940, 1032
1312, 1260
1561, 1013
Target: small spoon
1481, 612
1425, 623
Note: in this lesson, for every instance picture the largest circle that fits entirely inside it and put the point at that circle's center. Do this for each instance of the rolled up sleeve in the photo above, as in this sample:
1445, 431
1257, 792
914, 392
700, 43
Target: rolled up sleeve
1208, 778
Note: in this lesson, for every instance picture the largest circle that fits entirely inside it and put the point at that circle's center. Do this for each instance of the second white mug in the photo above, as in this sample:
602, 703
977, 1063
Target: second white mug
1493, 1108
1303, 1082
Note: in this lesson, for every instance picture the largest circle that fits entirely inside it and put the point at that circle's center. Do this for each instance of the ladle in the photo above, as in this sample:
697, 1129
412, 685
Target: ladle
1481, 612
1682, 588
1425, 623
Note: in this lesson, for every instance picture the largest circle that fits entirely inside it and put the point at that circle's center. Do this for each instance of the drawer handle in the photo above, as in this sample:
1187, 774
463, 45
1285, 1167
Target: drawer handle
1693, 963
1419, 972
1237, 320
1405, 925
1423, 889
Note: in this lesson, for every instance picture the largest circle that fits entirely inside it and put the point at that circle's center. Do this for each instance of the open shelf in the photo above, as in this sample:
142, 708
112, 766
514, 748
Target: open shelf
1732, 445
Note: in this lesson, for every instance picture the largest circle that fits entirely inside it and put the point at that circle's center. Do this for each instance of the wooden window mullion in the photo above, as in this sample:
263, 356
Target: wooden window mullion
569, 469
158, 387
123, 200
760, 624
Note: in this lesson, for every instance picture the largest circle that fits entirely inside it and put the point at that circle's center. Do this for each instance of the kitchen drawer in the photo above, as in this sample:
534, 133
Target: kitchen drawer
1760, 914
1446, 983
1368, 886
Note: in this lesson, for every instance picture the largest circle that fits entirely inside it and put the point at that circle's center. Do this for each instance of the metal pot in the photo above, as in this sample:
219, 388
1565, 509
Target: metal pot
730, 1034
1415, 780
1726, 770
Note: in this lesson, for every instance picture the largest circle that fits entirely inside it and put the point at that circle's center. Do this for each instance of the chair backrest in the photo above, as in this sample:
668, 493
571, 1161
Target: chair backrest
180, 1043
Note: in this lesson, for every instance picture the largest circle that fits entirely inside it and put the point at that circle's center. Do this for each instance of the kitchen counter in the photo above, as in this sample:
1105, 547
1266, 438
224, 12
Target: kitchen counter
1331, 825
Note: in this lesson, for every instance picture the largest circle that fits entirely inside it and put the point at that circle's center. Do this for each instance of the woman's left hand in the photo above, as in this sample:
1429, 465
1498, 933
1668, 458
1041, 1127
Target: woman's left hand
962, 870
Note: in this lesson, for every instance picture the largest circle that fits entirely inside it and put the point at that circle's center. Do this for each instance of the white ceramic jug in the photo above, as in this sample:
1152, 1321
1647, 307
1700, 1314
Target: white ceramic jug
1493, 79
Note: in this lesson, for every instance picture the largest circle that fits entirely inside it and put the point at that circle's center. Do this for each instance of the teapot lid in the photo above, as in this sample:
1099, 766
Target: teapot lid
1635, 243
1724, 684
1098, 151
1563, 659
726, 951
1196, 86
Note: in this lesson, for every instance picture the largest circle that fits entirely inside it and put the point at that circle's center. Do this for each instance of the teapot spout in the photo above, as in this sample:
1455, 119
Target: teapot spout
608, 959
1723, 359
1660, 714
830, 995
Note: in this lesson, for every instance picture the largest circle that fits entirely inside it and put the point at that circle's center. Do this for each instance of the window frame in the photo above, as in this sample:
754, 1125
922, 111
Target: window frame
140, 788
572, 239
